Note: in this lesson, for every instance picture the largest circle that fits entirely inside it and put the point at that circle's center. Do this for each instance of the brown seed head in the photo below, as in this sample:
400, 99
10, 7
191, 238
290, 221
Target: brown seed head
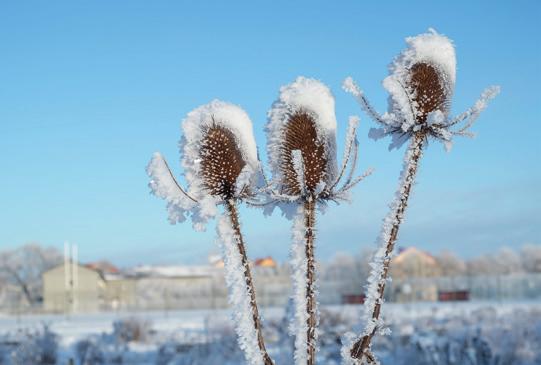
429, 91
221, 161
301, 134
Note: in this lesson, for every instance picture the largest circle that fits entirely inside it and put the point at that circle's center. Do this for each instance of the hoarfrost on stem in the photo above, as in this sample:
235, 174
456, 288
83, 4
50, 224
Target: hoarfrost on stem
379, 273
239, 293
298, 261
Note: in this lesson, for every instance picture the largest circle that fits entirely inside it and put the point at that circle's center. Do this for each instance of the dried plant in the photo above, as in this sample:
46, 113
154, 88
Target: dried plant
221, 167
302, 153
420, 84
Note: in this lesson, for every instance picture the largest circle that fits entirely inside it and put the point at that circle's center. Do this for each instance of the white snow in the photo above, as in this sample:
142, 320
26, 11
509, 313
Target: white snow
512, 330
431, 48
174, 271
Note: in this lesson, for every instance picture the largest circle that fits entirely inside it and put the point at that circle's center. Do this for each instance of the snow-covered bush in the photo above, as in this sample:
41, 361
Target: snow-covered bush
39, 347
221, 351
132, 329
89, 352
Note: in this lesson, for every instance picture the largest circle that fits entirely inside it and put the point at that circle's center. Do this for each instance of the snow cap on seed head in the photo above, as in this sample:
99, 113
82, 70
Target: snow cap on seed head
422, 79
302, 119
219, 158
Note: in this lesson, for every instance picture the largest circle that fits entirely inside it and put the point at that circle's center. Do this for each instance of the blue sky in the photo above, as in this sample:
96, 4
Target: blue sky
90, 89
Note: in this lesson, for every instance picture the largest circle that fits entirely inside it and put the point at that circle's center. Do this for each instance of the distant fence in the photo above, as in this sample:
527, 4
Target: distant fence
275, 291
482, 287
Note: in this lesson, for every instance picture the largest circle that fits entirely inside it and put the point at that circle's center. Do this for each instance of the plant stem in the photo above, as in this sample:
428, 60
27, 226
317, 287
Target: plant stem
309, 222
232, 211
361, 348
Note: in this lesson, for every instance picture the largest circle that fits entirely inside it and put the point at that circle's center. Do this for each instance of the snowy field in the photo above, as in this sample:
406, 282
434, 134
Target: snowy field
422, 333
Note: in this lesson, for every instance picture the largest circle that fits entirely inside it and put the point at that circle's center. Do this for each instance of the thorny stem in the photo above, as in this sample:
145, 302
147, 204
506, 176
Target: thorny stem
309, 223
231, 208
361, 348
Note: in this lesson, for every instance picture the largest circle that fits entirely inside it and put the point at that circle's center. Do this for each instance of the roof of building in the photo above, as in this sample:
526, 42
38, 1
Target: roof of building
171, 271
79, 265
104, 266
265, 262
414, 252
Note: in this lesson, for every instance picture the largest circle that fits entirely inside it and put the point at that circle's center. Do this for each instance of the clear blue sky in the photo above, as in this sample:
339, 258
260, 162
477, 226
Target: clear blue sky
88, 90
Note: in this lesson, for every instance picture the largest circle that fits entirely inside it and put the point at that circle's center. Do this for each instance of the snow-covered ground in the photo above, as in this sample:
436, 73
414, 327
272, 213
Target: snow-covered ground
422, 333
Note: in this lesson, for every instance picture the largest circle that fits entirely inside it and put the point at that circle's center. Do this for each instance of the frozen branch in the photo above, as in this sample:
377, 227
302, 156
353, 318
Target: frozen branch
351, 87
241, 288
350, 149
361, 347
473, 112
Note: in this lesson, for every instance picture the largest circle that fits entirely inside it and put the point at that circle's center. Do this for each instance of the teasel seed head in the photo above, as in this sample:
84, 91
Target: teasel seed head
300, 134
221, 161
428, 91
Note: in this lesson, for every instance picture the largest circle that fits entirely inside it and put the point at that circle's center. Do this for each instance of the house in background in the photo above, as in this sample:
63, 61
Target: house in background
179, 287
410, 271
265, 262
73, 288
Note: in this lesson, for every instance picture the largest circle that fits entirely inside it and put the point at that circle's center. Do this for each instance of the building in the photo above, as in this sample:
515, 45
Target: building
265, 262
73, 288
179, 287
409, 271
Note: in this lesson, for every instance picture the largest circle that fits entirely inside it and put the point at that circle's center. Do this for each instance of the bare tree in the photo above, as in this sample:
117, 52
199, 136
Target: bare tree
450, 264
531, 258
23, 267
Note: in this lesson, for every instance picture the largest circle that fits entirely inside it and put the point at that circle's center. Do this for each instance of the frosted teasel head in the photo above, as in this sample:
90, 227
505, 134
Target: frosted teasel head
301, 147
219, 158
421, 85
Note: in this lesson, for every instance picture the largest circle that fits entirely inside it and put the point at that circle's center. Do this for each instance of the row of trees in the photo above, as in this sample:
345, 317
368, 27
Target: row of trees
504, 261
22, 267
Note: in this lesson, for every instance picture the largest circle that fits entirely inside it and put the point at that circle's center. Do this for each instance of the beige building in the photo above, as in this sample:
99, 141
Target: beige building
91, 288
409, 272
73, 289
120, 292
